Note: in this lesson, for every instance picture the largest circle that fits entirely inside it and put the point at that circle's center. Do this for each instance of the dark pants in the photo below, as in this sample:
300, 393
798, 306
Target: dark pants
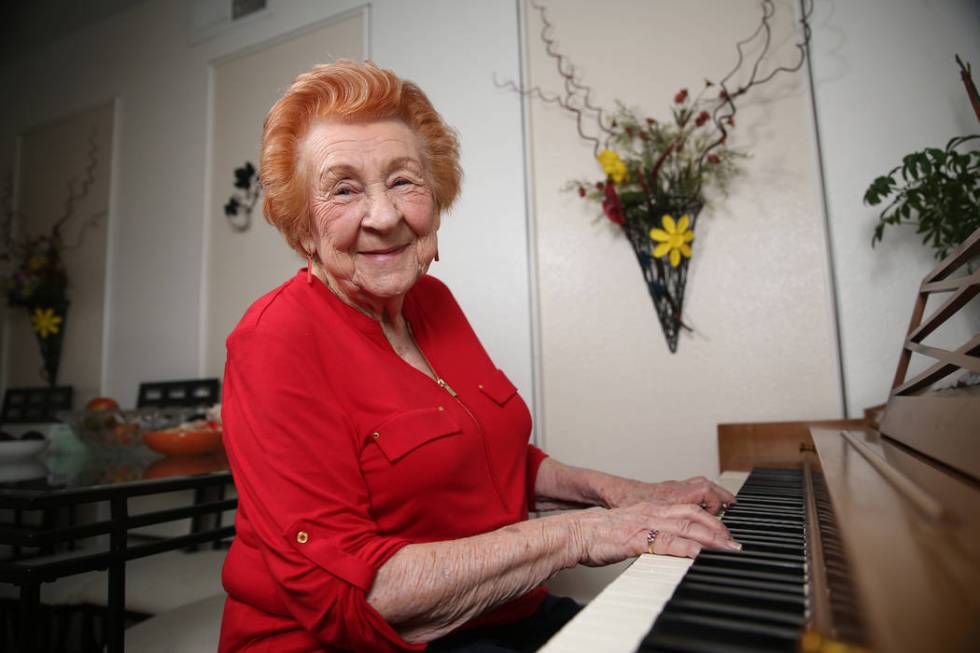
524, 636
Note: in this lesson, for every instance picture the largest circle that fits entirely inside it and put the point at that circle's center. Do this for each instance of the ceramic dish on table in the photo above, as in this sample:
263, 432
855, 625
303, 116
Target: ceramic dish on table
184, 441
18, 449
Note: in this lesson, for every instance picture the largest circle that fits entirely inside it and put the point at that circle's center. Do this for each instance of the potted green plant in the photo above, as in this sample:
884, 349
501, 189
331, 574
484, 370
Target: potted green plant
937, 190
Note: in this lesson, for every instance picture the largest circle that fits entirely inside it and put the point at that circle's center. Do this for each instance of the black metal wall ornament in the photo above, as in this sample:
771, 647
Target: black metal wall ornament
238, 208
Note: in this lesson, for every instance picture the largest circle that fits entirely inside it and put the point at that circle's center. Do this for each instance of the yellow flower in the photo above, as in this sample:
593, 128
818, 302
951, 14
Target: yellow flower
36, 262
673, 239
45, 322
612, 165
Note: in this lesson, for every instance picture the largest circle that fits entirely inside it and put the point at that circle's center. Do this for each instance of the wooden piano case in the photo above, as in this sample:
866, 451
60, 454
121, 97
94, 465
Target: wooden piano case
905, 492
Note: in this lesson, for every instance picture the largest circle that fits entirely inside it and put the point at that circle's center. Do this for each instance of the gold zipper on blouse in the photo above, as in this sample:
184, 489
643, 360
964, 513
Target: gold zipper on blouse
445, 386
479, 427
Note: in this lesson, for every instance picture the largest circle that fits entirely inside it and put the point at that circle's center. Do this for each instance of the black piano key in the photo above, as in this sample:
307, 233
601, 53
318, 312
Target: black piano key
720, 580
668, 644
773, 525
780, 602
722, 630
797, 557
755, 545
791, 573
785, 578
787, 538
755, 512
752, 613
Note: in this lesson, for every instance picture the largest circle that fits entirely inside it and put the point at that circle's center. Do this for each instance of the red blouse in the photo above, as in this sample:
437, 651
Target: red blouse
343, 453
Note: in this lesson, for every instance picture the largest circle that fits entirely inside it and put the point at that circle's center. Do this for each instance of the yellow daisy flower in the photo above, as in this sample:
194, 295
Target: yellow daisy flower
36, 262
673, 239
45, 322
612, 165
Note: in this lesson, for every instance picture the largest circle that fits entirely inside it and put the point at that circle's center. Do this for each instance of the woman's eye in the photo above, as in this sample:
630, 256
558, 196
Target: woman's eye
343, 191
401, 181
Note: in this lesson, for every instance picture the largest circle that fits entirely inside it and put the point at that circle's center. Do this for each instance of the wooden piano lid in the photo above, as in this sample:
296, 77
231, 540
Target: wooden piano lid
907, 497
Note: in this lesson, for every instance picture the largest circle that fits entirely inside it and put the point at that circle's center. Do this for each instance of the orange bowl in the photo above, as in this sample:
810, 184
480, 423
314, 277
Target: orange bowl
186, 465
172, 442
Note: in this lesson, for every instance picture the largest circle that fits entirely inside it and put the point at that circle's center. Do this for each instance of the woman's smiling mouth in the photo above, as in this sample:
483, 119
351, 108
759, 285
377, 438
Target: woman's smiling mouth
384, 254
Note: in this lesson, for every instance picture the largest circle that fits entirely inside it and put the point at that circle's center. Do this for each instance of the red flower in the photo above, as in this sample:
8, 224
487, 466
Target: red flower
599, 185
713, 159
681, 96
629, 132
702, 118
581, 191
612, 206
723, 95
651, 121
731, 121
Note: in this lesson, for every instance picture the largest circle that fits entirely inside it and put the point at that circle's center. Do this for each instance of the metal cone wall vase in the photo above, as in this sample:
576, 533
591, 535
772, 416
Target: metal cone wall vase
50, 340
665, 282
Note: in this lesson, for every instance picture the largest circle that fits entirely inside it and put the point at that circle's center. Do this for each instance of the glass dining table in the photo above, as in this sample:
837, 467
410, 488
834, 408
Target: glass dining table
31, 490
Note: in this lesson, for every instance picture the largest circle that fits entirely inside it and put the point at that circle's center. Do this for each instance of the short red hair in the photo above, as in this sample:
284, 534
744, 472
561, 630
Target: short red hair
350, 91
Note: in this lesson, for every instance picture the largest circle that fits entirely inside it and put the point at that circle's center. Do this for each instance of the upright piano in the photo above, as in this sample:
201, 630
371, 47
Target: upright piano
858, 535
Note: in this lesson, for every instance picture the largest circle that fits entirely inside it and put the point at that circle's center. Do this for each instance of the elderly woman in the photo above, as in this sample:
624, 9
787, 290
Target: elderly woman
381, 458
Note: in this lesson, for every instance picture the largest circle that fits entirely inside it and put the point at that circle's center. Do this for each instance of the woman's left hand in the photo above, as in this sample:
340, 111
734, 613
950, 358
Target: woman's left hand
698, 490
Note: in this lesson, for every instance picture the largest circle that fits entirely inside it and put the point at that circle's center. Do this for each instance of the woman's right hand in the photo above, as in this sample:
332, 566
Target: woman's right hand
608, 536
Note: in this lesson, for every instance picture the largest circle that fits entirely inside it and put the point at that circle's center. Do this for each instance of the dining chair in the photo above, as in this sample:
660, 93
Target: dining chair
169, 394
35, 405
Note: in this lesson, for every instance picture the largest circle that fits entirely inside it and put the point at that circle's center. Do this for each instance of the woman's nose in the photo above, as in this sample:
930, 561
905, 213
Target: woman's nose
382, 213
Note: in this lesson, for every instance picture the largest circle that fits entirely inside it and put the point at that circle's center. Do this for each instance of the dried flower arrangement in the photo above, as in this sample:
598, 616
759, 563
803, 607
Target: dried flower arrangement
32, 266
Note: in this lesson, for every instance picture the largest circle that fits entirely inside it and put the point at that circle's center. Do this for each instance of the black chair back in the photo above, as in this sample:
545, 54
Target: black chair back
167, 394
24, 405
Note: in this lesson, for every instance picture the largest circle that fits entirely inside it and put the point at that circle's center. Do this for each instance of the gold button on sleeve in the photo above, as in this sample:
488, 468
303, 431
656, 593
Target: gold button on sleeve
302, 537
375, 435
441, 408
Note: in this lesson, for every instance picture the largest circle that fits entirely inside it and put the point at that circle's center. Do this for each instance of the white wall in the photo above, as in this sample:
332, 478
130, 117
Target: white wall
144, 57
886, 85
614, 397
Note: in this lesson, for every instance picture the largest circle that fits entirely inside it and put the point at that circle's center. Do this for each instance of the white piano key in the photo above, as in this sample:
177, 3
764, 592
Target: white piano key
618, 618
732, 481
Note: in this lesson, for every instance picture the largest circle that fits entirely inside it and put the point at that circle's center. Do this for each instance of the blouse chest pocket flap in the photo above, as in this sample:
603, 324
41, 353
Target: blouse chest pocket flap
498, 387
408, 431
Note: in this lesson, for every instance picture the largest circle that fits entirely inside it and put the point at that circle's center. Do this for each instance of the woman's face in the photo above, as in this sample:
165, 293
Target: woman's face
374, 218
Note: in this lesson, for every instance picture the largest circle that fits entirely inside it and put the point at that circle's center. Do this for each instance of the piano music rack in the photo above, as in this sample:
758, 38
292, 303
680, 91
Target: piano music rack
942, 424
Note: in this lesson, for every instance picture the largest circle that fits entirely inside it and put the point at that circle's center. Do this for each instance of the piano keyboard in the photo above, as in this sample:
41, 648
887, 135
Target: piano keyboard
619, 617
753, 600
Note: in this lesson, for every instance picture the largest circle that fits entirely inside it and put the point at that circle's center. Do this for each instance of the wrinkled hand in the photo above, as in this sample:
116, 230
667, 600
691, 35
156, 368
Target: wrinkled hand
608, 536
697, 490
